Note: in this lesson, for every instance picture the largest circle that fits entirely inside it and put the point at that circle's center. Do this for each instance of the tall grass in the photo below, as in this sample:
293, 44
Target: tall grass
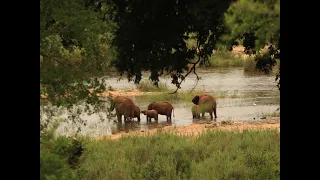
224, 59
148, 86
212, 155
215, 154
249, 64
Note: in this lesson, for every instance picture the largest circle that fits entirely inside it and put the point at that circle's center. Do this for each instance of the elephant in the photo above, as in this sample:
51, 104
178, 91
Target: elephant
150, 114
163, 108
124, 106
207, 103
137, 112
195, 111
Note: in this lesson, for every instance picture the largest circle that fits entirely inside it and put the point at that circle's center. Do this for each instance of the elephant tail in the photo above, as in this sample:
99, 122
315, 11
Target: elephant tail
173, 111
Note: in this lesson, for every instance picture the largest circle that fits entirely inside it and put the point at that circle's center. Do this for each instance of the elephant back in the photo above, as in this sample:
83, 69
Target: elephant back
206, 98
124, 103
161, 107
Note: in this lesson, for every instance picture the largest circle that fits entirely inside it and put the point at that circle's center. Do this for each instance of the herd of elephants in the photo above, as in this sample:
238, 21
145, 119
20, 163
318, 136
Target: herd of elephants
126, 107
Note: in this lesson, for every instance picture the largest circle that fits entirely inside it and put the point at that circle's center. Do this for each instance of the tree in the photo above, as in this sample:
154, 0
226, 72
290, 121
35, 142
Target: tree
152, 36
75, 49
257, 22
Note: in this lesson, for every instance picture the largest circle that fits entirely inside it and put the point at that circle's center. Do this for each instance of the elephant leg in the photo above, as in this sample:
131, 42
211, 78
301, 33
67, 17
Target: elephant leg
215, 112
156, 118
119, 118
202, 113
211, 116
127, 118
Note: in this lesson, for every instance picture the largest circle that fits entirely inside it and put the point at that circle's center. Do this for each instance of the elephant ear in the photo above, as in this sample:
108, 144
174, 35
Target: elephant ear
195, 100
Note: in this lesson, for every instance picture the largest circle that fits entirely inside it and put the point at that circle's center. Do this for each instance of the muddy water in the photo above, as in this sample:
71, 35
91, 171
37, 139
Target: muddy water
255, 95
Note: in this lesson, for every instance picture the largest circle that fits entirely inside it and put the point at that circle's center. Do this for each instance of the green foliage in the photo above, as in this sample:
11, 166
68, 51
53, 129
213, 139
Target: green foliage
148, 86
259, 20
58, 156
212, 155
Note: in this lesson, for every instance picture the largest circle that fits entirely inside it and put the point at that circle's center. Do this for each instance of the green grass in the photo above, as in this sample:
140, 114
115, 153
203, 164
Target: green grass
182, 96
251, 154
147, 86
213, 155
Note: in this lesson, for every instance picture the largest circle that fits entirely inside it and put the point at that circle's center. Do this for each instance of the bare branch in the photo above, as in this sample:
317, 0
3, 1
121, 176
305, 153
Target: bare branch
193, 68
197, 80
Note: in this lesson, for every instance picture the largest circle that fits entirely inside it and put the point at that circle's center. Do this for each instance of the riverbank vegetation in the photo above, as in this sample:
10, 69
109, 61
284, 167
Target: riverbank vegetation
216, 154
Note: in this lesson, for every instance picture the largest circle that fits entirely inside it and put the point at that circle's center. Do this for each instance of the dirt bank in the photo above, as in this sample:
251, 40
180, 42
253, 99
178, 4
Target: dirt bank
202, 126
131, 92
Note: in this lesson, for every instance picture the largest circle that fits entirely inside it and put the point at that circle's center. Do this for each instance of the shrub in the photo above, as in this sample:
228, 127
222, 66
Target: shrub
148, 86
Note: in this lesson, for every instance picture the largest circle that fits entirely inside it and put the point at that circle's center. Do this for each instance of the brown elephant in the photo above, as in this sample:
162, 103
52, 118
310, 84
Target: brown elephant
150, 114
124, 106
163, 108
195, 111
207, 103
137, 112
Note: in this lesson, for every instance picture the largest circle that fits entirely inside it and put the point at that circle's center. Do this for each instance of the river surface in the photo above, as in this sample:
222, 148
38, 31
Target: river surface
251, 96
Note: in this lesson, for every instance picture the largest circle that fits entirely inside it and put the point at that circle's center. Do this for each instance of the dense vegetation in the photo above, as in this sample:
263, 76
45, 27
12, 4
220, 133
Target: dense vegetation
212, 155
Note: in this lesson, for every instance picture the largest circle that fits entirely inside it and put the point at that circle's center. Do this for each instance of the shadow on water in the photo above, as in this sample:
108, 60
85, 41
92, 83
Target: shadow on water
249, 96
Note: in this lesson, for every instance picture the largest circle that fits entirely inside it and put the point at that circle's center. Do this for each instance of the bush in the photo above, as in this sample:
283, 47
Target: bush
148, 86
58, 156
249, 64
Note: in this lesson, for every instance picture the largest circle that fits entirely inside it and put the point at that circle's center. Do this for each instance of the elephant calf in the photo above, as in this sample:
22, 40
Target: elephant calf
150, 114
195, 111
163, 108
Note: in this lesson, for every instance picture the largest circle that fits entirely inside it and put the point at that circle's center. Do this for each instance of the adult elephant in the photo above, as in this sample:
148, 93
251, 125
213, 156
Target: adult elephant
207, 103
163, 108
124, 106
